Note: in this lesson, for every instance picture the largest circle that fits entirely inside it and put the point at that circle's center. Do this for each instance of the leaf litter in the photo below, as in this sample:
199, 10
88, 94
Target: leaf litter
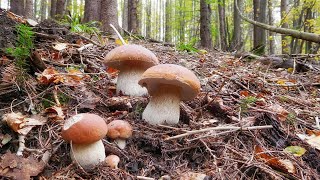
236, 94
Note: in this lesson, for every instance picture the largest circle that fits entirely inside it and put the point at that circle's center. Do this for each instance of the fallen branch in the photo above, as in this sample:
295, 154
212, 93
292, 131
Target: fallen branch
220, 128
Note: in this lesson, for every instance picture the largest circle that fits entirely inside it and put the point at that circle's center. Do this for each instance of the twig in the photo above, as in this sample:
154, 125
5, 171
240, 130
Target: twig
218, 129
118, 34
144, 178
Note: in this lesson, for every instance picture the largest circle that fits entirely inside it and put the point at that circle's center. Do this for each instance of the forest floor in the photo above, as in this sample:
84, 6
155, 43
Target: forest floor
262, 120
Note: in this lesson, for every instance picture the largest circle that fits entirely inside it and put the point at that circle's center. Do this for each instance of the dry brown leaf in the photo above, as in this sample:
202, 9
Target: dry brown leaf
48, 76
313, 140
284, 165
60, 46
281, 113
90, 100
55, 113
19, 168
20, 123
74, 77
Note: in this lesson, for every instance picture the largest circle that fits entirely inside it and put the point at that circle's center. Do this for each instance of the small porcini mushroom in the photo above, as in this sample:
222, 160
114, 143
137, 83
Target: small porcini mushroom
132, 60
119, 131
112, 161
85, 131
167, 85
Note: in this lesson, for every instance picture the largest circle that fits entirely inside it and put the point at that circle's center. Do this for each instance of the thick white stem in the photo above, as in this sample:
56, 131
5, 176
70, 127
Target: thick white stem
121, 143
127, 82
163, 107
88, 155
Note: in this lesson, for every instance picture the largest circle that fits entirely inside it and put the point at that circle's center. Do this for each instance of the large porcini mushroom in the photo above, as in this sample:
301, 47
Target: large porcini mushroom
119, 131
167, 85
85, 131
132, 60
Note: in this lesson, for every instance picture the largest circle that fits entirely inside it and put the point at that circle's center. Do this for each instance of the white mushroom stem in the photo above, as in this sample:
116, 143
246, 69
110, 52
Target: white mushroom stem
121, 143
163, 107
127, 82
88, 155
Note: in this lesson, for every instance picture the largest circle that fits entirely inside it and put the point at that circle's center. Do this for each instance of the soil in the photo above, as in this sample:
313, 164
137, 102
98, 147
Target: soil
234, 92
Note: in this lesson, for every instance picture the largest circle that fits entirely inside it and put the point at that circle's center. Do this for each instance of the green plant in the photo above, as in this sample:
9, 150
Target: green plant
291, 118
78, 27
24, 45
187, 47
246, 102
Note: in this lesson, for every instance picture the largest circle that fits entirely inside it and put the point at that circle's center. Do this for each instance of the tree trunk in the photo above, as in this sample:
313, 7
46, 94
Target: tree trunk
35, 8
53, 8
167, 22
60, 8
17, 7
148, 19
284, 11
205, 24
237, 38
125, 15
308, 26
259, 34
271, 34
91, 12
133, 16
222, 25
109, 15
182, 21
290, 32
28, 10
43, 9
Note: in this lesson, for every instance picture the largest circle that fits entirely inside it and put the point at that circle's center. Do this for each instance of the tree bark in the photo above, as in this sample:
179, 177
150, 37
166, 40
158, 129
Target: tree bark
290, 32
125, 15
222, 25
43, 9
35, 8
284, 11
271, 34
167, 22
237, 38
148, 19
205, 24
60, 8
91, 10
109, 15
259, 34
28, 10
17, 7
53, 8
133, 16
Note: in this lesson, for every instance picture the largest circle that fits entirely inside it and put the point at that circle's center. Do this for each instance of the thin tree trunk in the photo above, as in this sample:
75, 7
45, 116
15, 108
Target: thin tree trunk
205, 24
259, 38
148, 19
43, 9
17, 7
60, 8
167, 21
91, 12
125, 14
237, 32
133, 16
35, 8
271, 34
109, 15
222, 25
28, 11
53, 8
308, 27
284, 11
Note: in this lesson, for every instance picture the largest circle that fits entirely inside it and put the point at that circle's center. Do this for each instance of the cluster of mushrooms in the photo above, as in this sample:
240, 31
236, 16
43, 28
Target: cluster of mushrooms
140, 74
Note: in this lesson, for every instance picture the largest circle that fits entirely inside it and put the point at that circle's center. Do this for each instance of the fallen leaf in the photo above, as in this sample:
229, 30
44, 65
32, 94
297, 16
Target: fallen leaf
48, 76
313, 140
244, 93
119, 42
60, 46
281, 113
17, 167
54, 113
20, 123
284, 165
74, 77
5, 139
295, 150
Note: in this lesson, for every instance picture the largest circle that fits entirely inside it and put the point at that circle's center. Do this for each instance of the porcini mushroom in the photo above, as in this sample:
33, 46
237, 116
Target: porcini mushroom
167, 85
85, 131
112, 161
119, 131
132, 60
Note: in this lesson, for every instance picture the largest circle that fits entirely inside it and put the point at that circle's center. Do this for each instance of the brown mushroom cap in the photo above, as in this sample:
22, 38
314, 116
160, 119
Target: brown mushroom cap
112, 161
130, 55
119, 129
84, 128
171, 74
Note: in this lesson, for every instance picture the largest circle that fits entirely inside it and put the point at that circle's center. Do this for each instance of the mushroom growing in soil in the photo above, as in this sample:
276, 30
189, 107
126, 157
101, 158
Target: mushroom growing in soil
119, 131
167, 85
112, 161
84, 132
132, 60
